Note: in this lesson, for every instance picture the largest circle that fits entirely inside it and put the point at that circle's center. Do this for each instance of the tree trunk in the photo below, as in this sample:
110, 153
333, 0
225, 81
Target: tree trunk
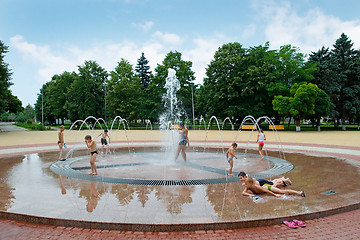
297, 123
289, 122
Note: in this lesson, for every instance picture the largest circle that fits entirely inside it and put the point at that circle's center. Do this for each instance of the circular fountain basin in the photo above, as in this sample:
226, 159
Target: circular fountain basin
141, 191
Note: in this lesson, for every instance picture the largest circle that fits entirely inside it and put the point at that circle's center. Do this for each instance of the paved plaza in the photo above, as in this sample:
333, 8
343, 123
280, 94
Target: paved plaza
338, 144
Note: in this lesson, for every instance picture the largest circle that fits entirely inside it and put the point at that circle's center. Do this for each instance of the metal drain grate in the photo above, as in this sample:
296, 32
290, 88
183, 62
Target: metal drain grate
329, 192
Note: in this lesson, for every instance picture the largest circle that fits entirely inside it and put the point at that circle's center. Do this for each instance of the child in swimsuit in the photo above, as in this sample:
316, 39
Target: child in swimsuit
104, 143
93, 153
184, 140
260, 139
278, 182
230, 154
61, 142
266, 188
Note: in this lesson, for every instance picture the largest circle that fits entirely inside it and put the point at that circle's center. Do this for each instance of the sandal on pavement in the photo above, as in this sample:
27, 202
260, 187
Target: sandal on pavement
290, 224
299, 223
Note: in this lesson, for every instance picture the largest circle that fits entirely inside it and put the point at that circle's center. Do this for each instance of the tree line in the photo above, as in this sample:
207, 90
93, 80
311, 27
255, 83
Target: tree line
8, 102
258, 81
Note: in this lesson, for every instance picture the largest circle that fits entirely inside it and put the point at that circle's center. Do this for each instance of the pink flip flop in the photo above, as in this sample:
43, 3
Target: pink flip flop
299, 223
290, 224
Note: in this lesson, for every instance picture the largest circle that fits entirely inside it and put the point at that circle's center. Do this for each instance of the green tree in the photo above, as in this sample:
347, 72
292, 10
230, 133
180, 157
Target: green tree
301, 102
289, 68
124, 92
57, 94
14, 105
322, 106
221, 90
346, 78
324, 76
43, 109
256, 75
86, 94
146, 109
143, 69
26, 115
244, 82
5, 79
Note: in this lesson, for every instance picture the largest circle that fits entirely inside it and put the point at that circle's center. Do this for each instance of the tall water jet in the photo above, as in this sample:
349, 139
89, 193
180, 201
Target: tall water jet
172, 105
170, 118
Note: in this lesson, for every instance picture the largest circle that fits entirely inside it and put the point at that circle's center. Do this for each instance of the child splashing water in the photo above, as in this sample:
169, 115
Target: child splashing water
104, 143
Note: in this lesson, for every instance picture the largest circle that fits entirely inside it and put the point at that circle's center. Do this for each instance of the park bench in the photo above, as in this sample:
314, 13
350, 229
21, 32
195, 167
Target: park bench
248, 127
278, 127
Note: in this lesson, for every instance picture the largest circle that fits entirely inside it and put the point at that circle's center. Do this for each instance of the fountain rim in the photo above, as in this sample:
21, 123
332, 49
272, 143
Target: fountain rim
143, 227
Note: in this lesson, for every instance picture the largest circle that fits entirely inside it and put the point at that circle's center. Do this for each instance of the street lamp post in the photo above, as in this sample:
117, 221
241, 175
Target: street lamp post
193, 111
105, 101
42, 107
192, 102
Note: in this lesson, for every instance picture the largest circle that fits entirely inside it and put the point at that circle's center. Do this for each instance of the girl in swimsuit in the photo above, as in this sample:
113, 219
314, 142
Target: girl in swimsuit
260, 139
183, 141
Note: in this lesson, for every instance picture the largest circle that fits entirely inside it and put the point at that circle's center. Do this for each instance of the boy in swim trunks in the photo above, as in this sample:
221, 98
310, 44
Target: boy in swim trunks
230, 155
278, 182
251, 186
93, 153
266, 188
61, 142
104, 143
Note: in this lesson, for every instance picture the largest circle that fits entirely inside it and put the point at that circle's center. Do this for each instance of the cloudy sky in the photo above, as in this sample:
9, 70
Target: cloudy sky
47, 37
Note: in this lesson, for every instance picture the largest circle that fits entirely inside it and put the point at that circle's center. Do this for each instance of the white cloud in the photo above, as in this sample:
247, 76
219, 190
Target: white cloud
168, 38
201, 55
146, 26
49, 60
249, 31
309, 31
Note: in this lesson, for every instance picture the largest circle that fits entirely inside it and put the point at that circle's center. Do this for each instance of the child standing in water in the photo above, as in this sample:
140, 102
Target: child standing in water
61, 142
93, 153
260, 139
104, 143
230, 154
183, 141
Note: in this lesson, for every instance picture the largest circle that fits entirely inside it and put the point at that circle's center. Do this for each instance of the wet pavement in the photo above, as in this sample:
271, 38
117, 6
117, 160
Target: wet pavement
28, 177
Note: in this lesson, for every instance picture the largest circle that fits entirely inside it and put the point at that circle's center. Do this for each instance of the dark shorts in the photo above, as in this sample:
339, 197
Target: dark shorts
103, 141
183, 142
264, 181
92, 153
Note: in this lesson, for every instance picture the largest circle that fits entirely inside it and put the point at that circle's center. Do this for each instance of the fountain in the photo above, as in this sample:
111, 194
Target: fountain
139, 186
